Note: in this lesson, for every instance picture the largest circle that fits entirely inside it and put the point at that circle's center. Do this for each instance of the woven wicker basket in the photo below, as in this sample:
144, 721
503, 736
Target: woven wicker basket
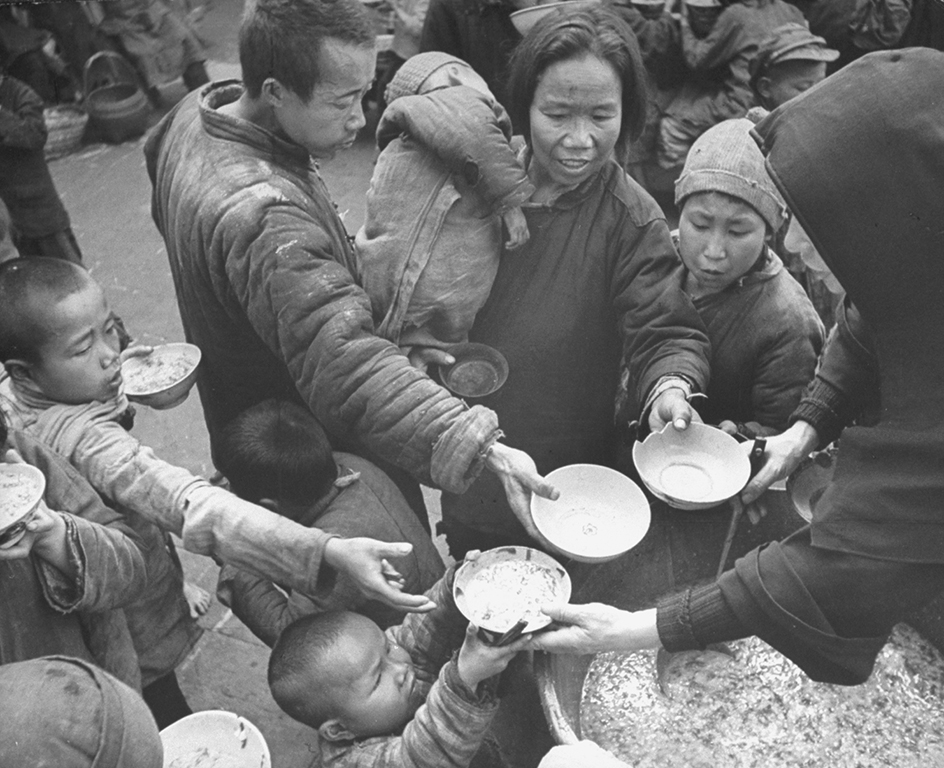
65, 125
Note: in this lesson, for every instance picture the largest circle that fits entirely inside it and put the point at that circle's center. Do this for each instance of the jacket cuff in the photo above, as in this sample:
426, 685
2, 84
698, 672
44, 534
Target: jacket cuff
62, 593
821, 407
695, 618
458, 455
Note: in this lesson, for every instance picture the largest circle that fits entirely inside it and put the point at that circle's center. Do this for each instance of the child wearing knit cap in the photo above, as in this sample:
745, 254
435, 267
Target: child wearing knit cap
765, 334
446, 179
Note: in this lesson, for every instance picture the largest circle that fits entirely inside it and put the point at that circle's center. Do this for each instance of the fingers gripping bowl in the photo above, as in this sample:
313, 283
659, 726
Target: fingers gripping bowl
506, 585
21, 488
695, 468
164, 378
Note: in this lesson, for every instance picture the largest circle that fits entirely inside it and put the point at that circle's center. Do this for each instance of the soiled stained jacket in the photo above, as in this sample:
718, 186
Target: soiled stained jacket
765, 340
46, 613
590, 291
262, 266
449, 728
428, 251
210, 520
828, 596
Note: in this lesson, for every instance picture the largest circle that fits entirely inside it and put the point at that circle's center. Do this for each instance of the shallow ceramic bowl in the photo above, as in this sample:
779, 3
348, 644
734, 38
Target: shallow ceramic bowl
809, 481
695, 468
504, 585
528, 17
478, 370
600, 514
214, 738
164, 378
21, 488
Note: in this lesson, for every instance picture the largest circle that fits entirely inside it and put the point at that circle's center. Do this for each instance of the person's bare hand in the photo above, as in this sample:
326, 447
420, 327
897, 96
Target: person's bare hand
583, 754
422, 357
40, 524
517, 226
479, 661
783, 454
596, 627
519, 477
671, 407
136, 350
367, 563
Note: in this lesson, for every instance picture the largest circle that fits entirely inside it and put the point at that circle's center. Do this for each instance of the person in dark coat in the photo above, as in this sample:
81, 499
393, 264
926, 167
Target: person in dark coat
865, 179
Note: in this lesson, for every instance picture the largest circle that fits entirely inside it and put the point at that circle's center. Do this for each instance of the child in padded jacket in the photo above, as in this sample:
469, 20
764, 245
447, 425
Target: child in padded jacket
400, 697
446, 178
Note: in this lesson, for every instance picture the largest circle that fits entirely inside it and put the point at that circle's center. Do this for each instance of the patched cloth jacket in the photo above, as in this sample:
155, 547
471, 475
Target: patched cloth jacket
262, 267
428, 251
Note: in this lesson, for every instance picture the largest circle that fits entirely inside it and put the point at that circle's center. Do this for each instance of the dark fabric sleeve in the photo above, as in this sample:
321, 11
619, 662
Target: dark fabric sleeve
659, 39
440, 30
846, 385
307, 309
21, 117
662, 332
784, 367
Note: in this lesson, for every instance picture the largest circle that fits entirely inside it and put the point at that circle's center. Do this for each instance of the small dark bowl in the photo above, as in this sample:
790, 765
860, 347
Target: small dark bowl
479, 370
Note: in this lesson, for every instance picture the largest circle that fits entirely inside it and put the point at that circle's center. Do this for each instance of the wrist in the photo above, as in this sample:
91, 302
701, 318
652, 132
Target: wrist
804, 436
637, 631
334, 552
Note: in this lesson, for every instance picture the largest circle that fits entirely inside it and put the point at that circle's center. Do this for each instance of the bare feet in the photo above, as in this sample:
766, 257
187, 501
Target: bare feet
198, 599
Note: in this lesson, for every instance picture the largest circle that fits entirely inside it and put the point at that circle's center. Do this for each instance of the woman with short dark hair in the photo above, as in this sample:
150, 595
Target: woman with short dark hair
591, 288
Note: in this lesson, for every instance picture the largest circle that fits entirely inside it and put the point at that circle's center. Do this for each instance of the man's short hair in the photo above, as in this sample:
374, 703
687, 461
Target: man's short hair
282, 39
301, 652
277, 450
28, 287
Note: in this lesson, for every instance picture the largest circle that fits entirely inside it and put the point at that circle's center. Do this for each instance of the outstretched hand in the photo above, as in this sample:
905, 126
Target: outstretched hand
595, 627
367, 563
519, 477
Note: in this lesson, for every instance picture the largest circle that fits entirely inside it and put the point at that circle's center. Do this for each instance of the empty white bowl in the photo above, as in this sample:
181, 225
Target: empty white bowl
600, 514
214, 738
694, 468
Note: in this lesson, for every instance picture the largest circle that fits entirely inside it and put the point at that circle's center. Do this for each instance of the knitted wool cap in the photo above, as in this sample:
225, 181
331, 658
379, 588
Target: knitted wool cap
415, 70
727, 159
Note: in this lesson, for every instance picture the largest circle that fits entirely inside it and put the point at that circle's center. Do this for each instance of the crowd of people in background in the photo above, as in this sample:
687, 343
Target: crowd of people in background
540, 172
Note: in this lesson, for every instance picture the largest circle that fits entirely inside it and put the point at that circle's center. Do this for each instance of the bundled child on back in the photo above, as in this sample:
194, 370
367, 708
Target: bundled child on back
276, 454
395, 698
445, 180
765, 334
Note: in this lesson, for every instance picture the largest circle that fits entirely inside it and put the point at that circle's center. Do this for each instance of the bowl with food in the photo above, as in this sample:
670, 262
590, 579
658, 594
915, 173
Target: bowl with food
21, 489
214, 739
599, 515
694, 468
163, 378
502, 590
478, 370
